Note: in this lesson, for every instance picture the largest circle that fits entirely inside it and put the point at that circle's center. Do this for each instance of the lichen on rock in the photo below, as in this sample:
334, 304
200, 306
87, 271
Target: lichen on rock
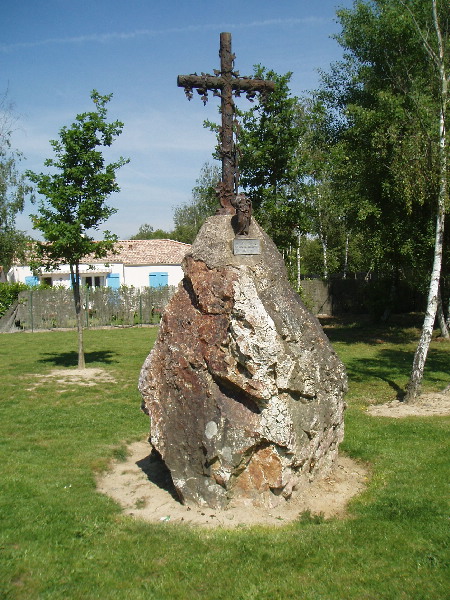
244, 391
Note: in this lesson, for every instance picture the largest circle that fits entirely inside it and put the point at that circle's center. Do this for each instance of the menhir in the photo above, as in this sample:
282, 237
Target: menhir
243, 389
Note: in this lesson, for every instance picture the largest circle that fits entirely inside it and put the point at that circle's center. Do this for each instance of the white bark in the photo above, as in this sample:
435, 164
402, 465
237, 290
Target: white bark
346, 256
441, 318
415, 382
324, 242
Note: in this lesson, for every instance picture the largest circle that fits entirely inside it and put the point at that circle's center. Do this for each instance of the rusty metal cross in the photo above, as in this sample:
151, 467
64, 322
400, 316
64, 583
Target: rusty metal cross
228, 82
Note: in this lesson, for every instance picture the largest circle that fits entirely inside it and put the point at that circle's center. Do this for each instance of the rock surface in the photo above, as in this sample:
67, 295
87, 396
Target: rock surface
244, 392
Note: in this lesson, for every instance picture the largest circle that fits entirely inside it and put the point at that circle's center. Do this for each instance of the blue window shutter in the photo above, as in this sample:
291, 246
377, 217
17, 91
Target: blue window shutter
158, 279
71, 282
32, 280
113, 280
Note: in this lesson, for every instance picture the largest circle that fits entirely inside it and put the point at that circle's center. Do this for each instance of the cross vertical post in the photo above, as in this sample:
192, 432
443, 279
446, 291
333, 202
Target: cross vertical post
227, 110
228, 82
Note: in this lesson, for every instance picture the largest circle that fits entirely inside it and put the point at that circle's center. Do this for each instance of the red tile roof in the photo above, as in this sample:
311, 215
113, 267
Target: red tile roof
147, 252
141, 252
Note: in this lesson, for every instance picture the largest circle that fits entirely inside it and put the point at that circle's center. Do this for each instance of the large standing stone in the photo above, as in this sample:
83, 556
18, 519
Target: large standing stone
244, 392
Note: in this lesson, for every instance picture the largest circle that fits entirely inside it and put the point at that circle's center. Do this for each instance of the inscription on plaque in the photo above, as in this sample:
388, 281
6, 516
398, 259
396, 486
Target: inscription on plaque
246, 246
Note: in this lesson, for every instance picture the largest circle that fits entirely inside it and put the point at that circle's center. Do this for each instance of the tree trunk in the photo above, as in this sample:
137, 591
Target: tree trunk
75, 275
415, 382
441, 318
324, 242
299, 278
346, 256
420, 356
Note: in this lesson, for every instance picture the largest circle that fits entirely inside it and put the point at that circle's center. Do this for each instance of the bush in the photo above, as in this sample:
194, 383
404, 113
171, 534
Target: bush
9, 292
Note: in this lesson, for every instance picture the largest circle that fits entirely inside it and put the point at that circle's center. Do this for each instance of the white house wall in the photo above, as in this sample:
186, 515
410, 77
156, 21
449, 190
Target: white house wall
138, 276
130, 275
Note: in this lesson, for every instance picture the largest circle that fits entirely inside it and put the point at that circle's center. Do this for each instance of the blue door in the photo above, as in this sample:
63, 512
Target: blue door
158, 279
113, 280
32, 280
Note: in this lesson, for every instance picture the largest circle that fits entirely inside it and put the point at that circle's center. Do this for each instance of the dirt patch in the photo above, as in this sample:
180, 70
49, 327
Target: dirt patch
84, 377
428, 405
142, 486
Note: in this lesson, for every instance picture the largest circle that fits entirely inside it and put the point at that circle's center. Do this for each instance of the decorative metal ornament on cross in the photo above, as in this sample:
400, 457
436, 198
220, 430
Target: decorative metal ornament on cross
225, 83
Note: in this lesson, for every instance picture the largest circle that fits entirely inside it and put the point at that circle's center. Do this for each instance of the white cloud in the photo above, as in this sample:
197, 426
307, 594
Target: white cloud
121, 36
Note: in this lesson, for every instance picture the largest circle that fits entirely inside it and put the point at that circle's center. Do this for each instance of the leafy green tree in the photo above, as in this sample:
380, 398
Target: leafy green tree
146, 232
13, 189
74, 203
434, 39
189, 217
390, 100
374, 126
268, 137
325, 207
270, 162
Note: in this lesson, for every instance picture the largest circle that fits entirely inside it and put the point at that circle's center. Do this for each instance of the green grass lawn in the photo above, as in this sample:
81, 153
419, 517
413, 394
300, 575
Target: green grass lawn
60, 539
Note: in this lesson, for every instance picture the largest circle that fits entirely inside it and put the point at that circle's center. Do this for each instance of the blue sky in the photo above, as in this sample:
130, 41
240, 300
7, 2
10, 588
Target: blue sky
54, 52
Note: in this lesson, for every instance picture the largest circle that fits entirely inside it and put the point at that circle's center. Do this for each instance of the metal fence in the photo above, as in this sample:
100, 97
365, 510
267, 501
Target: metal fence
54, 307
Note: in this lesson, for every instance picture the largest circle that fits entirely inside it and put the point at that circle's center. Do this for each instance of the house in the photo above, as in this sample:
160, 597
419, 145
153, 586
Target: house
137, 263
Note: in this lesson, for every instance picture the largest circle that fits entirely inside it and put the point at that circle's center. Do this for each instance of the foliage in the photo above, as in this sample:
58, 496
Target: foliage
392, 94
9, 292
268, 136
327, 207
286, 150
268, 140
383, 98
60, 538
13, 189
146, 232
75, 196
270, 163
189, 217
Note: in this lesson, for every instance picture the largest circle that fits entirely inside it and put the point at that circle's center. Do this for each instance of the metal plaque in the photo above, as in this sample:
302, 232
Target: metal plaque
246, 246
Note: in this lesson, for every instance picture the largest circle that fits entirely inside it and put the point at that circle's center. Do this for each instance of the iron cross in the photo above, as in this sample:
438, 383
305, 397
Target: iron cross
228, 82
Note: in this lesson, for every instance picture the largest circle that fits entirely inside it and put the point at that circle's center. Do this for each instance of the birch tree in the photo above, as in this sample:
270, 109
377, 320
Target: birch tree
437, 52
13, 189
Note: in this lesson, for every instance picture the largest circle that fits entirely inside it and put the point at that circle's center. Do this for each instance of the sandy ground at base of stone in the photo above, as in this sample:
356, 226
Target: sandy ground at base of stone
130, 484
428, 405
136, 483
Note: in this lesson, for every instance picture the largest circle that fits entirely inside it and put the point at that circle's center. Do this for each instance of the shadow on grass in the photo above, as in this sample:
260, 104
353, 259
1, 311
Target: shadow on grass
70, 359
390, 365
367, 332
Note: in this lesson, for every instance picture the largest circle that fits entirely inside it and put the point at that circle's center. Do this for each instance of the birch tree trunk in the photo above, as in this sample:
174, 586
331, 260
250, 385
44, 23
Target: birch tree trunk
415, 382
346, 256
325, 257
441, 318
324, 242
